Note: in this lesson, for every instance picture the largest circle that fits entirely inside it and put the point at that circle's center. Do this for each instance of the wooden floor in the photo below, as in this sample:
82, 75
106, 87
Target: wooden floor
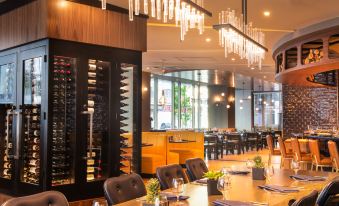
227, 161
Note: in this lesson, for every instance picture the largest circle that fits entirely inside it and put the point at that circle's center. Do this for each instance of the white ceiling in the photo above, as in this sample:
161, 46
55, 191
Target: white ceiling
166, 53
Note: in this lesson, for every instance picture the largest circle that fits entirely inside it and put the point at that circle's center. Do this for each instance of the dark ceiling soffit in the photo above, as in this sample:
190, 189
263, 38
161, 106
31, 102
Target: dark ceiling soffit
110, 7
10, 5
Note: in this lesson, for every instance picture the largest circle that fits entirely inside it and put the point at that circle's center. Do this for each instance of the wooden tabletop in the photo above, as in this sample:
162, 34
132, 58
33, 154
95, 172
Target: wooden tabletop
246, 189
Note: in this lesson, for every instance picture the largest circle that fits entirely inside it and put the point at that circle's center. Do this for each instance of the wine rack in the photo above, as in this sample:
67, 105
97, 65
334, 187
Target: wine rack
97, 107
126, 118
31, 128
6, 162
63, 105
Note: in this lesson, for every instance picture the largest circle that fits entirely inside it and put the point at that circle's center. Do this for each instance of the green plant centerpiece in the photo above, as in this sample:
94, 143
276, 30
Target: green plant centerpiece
258, 169
212, 182
153, 192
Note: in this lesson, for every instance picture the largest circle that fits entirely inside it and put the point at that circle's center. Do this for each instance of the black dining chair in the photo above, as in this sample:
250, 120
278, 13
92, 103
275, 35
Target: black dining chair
308, 200
123, 188
49, 198
211, 146
166, 174
329, 195
234, 142
196, 168
253, 140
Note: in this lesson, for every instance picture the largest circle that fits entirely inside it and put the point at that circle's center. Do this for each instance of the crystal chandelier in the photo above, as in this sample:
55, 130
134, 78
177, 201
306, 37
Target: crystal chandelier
236, 36
189, 14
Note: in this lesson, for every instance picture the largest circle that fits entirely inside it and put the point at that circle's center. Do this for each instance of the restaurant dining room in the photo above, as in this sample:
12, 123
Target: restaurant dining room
169, 102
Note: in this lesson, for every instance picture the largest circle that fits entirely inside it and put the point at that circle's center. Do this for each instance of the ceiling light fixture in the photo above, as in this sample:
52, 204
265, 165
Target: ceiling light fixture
267, 13
208, 40
238, 36
189, 14
252, 68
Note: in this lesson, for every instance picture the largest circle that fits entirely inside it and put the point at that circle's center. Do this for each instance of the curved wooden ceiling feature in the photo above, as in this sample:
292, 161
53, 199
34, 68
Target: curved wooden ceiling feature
309, 54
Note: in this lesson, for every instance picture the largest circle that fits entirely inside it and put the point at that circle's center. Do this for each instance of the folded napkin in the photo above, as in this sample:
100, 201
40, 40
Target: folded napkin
277, 188
308, 178
171, 196
231, 203
239, 172
202, 181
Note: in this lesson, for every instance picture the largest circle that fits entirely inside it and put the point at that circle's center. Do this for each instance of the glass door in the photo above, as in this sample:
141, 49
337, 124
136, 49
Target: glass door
7, 115
31, 97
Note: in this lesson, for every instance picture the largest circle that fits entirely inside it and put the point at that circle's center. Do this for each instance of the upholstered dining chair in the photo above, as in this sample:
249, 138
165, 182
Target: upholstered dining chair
317, 159
329, 195
302, 158
272, 151
284, 154
123, 188
49, 198
308, 200
196, 168
166, 174
332, 147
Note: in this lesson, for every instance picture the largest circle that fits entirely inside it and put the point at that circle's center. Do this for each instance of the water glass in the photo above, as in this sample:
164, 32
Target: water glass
224, 185
269, 172
178, 187
295, 166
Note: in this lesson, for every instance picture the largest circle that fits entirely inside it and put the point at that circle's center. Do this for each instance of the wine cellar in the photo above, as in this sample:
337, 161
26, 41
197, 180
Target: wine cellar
72, 121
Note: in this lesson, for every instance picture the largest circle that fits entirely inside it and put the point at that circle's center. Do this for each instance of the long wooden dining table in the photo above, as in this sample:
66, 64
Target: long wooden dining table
243, 188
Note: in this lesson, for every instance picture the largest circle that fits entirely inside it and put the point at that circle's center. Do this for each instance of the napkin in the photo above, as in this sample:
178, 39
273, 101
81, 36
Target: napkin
202, 181
277, 188
307, 178
239, 172
231, 203
171, 196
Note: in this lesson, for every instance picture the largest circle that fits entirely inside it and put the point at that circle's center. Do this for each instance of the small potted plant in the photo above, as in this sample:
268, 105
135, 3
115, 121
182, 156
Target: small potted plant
212, 182
258, 169
153, 193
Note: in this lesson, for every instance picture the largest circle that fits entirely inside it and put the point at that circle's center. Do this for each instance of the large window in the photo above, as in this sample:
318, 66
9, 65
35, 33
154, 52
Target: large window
268, 110
177, 104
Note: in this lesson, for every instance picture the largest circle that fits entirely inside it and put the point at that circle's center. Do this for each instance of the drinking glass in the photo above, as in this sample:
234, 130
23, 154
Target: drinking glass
295, 166
224, 185
178, 188
269, 172
249, 164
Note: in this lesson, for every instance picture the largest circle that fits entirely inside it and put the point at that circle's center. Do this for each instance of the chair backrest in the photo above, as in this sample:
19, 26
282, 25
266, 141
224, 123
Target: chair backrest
314, 149
269, 140
282, 146
329, 191
196, 168
296, 149
49, 198
211, 139
234, 137
166, 174
308, 200
332, 147
124, 188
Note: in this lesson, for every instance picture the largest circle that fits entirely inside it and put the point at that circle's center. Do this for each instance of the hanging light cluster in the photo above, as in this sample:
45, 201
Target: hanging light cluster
188, 14
238, 37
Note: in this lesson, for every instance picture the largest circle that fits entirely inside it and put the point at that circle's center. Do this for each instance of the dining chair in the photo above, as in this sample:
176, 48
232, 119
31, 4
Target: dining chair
124, 188
253, 140
211, 146
284, 154
234, 142
329, 195
271, 150
317, 159
308, 200
333, 149
196, 168
302, 158
49, 198
166, 174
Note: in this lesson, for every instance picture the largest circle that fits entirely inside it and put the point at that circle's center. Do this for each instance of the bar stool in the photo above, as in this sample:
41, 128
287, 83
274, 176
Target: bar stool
332, 147
284, 155
302, 158
317, 159
272, 151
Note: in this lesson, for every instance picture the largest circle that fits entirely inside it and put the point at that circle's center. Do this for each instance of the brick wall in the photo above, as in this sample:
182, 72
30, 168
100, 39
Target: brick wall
304, 106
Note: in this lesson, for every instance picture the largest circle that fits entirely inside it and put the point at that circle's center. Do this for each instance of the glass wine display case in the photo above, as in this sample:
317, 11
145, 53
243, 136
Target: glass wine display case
70, 117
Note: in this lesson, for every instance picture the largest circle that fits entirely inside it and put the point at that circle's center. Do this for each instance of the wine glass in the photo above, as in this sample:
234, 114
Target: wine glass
295, 166
269, 172
249, 164
178, 188
223, 185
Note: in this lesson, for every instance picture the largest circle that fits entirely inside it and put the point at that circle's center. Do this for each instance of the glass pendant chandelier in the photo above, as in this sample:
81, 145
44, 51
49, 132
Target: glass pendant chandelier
239, 37
188, 14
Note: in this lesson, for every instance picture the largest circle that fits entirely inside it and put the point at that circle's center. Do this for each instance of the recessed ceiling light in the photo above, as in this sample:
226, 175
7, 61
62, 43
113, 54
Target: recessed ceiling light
233, 59
267, 13
223, 94
208, 39
252, 68
264, 77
